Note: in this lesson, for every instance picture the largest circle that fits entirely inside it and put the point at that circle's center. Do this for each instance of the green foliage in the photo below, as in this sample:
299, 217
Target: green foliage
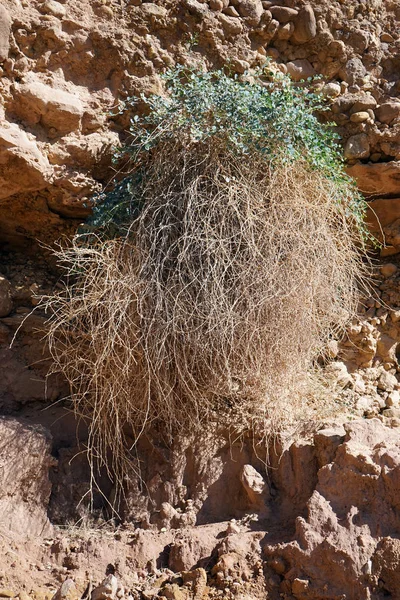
262, 113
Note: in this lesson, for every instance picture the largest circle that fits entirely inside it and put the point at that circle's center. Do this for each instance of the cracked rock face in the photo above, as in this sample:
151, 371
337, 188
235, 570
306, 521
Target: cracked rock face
322, 520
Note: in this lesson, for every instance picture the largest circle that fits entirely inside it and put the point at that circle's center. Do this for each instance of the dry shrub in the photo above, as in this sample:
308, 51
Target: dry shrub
221, 294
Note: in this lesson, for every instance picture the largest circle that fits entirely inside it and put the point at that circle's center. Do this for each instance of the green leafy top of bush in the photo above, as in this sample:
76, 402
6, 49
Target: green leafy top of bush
262, 113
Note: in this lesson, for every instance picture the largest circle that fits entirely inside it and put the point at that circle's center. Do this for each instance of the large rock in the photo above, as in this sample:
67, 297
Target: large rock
357, 146
23, 168
251, 10
24, 479
305, 27
387, 112
36, 102
337, 551
5, 30
377, 179
300, 69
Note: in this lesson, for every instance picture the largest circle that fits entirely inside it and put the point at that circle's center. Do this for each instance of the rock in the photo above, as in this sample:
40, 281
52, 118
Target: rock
388, 269
107, 590
216, 5
379, 180
393, 399
254, 485
305, 26
251, 10
363, 103
386, 349
357, 146
22, 166
7, 593
67, 591
232, 12
283, 14
391, 413
24, 479
387, 112
386, 565
387, 382
233, 527
327, 441
51, 7
300, 586
340, 373
6, 304
230, 25
5, 31
360, 117
300, 69
196, 581
387, 38
36, 102
331, 90
354, 72
285, 31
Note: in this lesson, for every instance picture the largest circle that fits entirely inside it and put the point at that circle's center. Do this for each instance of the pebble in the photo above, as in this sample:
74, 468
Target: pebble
388, 269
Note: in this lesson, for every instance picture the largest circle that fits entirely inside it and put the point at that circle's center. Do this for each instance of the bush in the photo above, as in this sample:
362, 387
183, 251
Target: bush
212, 277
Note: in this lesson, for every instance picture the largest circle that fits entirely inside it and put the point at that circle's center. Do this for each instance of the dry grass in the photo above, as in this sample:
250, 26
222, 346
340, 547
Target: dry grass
224, 290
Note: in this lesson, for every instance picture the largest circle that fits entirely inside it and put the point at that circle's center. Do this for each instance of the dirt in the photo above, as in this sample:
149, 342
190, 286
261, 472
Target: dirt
203, 517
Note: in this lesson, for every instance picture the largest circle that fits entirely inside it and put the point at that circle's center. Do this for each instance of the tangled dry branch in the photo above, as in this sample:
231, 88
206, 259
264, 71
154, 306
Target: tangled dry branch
223, 291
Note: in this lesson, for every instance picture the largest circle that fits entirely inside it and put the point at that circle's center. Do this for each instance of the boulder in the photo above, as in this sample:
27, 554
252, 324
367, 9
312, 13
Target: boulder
357, 146
25, 487
305, 26
377, 179
300, 69
283, 14
23, 168
36, 102
353, 72
387, 112
5, 30
251, 10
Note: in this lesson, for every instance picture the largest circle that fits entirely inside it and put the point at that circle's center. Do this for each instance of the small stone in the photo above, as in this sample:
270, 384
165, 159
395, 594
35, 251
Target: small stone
300, 69
360, 117
393, 399
331, 90
216, 5
387, 38
388, 269
254, 484
6, 304
299, 586
387, 382
332, 349
375, 156
52, 7
231, 12
357, 146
